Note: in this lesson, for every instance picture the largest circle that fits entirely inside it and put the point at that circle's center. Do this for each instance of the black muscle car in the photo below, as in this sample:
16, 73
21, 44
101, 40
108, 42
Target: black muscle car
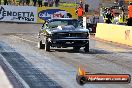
62, 33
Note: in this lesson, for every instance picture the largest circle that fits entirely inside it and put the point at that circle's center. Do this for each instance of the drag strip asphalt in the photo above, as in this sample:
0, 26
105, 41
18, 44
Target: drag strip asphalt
58, 68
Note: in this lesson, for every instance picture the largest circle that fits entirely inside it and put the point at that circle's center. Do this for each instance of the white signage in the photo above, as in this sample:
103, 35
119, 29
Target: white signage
18, 13
84, 22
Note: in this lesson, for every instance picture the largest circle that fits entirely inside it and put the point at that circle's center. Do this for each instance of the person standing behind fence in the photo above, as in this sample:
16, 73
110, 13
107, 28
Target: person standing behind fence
86, 9
45, 3
80, 12
57, 3
40, 3
108, 17
81, 4
129, 23
50, 2
28, 2
12, 2
34, 2
22, 1
5, 2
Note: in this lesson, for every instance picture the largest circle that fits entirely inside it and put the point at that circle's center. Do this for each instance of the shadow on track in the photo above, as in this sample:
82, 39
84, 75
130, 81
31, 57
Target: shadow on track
91, 51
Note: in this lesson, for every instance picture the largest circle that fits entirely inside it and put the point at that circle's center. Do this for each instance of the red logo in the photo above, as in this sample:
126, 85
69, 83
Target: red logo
57, 15
127, 34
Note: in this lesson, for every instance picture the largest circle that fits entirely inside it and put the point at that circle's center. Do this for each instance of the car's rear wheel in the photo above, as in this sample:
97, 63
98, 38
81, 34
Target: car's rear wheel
40, 45
86, 49
47, 45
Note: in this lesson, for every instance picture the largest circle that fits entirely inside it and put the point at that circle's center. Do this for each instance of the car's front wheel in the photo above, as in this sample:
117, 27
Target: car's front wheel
47, 45
86, 49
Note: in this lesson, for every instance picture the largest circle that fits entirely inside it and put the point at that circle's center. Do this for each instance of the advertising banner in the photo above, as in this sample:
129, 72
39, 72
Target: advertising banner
18, 13
45, 13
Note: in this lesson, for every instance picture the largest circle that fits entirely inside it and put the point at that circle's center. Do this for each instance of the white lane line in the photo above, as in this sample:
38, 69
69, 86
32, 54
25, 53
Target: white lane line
24, 39
4, 81
14, 72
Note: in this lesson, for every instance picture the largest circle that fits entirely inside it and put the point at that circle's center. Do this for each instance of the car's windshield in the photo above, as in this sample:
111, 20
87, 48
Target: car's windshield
56, 23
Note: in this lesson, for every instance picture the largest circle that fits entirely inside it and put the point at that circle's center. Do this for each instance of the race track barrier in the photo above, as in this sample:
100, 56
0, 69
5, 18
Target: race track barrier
33, 14
115, 33
18, 13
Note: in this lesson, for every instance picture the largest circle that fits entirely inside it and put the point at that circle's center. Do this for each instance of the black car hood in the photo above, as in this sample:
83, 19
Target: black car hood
69, 29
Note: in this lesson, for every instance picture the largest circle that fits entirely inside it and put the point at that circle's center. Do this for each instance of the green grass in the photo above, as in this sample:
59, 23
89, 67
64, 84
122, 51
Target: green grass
69, 4
31, 3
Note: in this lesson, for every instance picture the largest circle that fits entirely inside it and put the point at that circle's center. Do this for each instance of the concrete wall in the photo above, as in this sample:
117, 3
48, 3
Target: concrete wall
115, 33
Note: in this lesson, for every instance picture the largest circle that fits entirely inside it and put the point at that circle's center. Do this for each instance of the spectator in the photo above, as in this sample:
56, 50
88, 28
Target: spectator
22, 1
40, 3
116, 1
108, 17
81, 4
50, 2
129, 23
86, 8
14, 2
121, 3
80, 13
28, 2
45, 3
11, 2
57, 3
34, 2
104, 12
5, 2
